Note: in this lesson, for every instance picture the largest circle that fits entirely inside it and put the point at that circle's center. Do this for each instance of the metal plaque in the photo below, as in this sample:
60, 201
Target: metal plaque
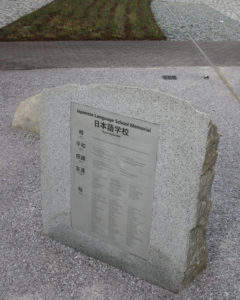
113, 161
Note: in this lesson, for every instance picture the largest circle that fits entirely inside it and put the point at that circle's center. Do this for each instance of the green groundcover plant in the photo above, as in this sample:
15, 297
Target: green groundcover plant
86, 20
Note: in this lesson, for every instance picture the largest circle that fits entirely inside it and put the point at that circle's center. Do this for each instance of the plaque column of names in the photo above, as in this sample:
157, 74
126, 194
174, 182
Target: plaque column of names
113, 173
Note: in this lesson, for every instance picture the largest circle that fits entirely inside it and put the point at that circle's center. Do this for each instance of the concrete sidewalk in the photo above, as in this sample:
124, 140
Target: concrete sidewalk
97, 54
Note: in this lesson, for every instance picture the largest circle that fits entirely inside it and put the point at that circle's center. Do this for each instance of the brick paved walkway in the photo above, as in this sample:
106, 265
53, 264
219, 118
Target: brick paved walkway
97, 54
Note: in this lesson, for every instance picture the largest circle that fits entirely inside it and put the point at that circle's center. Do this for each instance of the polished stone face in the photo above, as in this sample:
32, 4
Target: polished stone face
186, 155
113, 167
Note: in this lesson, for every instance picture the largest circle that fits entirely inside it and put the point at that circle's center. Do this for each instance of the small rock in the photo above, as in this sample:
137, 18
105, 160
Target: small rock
26, 116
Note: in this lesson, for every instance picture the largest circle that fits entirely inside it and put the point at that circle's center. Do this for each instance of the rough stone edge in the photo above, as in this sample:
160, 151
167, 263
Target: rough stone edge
28, 123
124, 86
26, 119
196, 258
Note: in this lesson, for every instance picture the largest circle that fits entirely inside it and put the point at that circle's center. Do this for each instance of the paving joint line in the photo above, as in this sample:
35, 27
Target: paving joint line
211, 64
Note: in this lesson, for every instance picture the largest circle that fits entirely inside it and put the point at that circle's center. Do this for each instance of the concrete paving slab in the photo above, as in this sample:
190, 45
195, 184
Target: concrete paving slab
97, 54
35, 267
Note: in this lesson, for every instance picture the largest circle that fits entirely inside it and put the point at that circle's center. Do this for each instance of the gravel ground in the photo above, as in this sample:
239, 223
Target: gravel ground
11, 10
203, 22
230, 8
35, 267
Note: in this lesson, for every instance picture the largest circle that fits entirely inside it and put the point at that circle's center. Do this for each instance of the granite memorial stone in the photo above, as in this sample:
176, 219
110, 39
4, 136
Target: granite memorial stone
126, 178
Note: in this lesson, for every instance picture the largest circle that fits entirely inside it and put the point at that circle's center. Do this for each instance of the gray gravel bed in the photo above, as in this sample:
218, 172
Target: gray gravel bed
35, 267
230, 8
201, 21
11, 10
